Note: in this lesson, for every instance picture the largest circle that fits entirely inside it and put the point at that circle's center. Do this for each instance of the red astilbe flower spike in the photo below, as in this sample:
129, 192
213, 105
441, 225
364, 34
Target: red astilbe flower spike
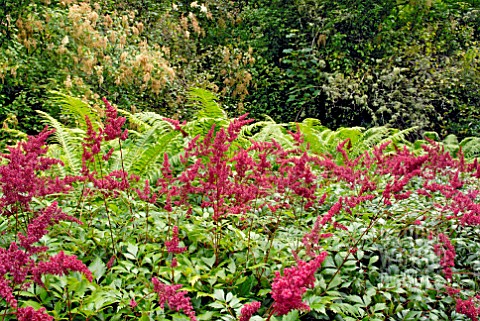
172, 245
59, 265
446, 252
297, 136
133, 303
6, 292
38, 227
248, 310
19, 179
287, 290
30, 314
335, 209
146, 194
17, 266
177, 301
91, 145
16, 263
113, 123
236, 125
468, 308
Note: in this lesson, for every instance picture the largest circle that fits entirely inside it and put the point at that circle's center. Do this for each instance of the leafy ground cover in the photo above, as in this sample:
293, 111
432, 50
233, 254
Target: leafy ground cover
228, 219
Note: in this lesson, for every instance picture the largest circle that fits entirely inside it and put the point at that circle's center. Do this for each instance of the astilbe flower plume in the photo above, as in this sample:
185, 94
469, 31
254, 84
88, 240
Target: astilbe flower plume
468, 308
287, 290
248, 310
60, 264
230, 185
21, 263
19, 180
39, 225
113, 123
446, 252
146, 194
172, 244
178, 301
30, 314
117, 180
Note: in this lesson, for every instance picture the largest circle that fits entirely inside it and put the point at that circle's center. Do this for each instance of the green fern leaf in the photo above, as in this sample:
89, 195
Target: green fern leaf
76, 109
70, 140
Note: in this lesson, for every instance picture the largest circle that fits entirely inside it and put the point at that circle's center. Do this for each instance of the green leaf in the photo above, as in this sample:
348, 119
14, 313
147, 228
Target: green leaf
98, 268
379, 307
355, 299
206, 316
209, 261
132, 249
372, 260
219, 294
336, 281
291, 316
32, 304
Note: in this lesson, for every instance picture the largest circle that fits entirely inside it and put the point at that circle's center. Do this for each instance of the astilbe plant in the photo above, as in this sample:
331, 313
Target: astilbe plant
248, 310
94, 158
287, 289
22, 261
249, 189
176, 300
233, 181
21, 179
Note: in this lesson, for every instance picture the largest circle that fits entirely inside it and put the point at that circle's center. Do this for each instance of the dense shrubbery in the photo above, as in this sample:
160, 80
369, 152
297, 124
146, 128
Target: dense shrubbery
227, 219
347, 63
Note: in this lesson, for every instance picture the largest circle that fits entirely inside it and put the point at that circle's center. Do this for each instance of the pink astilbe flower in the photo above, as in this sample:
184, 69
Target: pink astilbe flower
60, 264
177, 125
297, 136
16, 263
446, 252
111, 261
91, 145
19, 179
236, 125
248, 310
468, 308
335, 209
115, 181
178, 301
113, 123
17, 267
311, 239
6, 292
146, 194
287, 290
133, 303
38, 227
172, 245
30, 314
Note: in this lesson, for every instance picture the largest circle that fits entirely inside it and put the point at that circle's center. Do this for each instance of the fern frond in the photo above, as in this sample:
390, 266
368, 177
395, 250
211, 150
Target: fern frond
149, 160
134, 120
351, 133
70, 141
76, 109
149, 118
471, 147
208, 105
202, 126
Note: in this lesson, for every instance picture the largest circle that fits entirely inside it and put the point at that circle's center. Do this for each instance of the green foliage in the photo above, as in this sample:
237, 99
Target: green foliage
151, 135
470, 146
381, 264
